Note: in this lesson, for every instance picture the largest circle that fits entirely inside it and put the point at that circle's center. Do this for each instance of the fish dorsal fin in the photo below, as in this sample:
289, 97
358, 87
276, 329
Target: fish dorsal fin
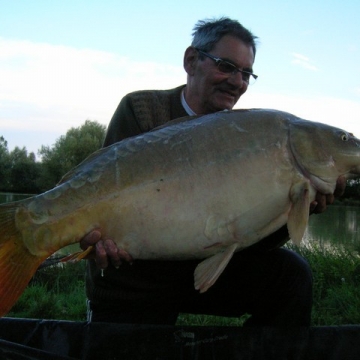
299, 212
209, 270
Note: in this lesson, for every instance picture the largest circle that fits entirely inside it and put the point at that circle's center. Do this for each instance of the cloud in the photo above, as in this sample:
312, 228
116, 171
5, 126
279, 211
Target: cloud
303, 61
49, 86
357, 91
337, 112
47, 89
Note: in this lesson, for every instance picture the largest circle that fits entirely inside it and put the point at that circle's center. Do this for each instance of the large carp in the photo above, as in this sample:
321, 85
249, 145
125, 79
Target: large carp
202, 188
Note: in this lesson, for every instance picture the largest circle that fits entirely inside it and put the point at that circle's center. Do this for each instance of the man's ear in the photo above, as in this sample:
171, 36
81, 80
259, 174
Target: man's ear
190, 60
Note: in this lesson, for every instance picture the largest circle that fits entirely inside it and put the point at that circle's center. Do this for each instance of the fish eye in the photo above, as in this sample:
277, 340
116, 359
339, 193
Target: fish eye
344, 137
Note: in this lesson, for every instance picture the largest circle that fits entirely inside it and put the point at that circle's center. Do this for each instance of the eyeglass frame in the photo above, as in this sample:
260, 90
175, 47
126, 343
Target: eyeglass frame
235, 70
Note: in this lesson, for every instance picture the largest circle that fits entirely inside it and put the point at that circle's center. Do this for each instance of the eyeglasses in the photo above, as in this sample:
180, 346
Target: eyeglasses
227, 67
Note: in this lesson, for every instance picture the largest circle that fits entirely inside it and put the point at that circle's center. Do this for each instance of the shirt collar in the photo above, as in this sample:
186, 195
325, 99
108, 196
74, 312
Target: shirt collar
185, 104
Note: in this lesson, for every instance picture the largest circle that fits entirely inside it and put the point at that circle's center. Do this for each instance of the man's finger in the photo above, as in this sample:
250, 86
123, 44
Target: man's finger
340, 186
125, 256
112, 252
101, 256
90, 239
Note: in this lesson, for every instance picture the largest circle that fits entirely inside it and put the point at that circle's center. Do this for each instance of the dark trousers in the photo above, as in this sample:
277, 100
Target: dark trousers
275, 287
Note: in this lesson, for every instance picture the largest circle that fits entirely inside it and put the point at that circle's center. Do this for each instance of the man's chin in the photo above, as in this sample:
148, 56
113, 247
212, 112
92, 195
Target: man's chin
225, 101
225, 106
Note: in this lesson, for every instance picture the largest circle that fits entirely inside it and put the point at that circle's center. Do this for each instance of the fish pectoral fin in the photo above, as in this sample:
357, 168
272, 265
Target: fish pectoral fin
209, 270
299, 212
80, 255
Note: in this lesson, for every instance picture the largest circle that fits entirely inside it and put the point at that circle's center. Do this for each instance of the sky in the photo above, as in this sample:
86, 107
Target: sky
64, 62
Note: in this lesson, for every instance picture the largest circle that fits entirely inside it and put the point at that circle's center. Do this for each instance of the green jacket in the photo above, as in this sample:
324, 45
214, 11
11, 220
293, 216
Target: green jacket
141, 111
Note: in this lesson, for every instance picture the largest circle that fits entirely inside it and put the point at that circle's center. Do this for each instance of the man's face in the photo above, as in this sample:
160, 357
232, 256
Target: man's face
209, 90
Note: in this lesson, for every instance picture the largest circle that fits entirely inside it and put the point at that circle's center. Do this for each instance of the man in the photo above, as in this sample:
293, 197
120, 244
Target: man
272, 284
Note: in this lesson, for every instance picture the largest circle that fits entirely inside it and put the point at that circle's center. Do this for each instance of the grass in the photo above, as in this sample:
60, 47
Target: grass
336, 285
58, 292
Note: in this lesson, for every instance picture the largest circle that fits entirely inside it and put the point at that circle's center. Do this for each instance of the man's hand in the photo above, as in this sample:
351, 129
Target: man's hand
105, 250
321, 201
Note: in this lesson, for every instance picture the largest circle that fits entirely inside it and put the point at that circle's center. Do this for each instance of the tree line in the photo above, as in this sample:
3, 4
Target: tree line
20, 172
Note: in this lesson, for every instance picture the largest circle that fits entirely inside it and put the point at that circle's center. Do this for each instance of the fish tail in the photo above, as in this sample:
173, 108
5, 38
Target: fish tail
17, 264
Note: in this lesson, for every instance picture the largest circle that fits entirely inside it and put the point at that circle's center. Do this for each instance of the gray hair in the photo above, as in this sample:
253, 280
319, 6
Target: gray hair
208, 32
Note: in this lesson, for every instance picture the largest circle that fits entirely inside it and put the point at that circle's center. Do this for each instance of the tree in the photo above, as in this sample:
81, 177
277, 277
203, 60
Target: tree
69, 150
4, 165
23, 172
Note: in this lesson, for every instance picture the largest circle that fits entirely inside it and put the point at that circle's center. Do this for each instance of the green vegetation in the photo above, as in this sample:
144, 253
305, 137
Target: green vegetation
21, 173
69, 151
58, 292
336, 285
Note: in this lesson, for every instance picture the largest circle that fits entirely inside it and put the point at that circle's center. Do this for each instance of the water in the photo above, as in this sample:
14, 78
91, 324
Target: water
336, 226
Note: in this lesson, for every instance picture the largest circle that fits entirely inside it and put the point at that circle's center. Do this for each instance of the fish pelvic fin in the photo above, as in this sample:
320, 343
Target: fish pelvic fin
209, 270
80, 255
17, 264
299, 213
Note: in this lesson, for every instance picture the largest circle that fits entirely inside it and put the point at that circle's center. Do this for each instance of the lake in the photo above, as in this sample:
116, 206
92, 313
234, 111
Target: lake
337, 225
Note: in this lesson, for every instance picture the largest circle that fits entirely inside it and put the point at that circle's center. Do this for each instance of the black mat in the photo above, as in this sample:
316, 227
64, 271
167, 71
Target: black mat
44, 339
